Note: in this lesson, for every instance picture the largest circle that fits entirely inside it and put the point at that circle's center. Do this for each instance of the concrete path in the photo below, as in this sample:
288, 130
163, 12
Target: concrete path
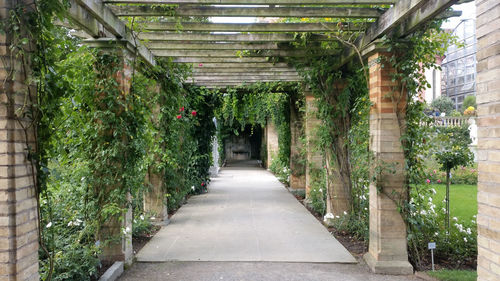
254, 271
247, 216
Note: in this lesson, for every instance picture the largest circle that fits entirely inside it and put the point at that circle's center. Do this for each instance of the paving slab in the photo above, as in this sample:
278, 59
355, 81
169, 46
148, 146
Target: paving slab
254, 271
247, 216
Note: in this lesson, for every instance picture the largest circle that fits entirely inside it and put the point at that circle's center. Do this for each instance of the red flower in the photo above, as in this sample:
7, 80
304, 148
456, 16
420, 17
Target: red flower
181, 109
179, 116
200, 65
193, 113
202, 184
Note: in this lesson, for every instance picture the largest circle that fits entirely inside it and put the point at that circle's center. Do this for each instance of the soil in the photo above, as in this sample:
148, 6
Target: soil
355, 246
139, 242
101, 270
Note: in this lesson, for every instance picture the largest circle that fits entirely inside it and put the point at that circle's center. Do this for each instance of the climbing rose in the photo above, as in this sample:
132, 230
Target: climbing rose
202, 184
181, 109
428, 181
439, 181
179, 116
200, 65
193, 113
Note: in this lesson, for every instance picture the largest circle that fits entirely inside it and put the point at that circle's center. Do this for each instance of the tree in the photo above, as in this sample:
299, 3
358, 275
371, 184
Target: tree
469, 101
443, 104
452, 151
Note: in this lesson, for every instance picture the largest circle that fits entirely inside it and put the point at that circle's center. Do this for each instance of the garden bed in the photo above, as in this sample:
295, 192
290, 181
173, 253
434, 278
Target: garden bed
354, 245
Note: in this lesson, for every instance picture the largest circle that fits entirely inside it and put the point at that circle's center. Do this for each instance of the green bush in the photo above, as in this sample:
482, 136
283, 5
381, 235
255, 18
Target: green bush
469, 101
280, 170
443, 104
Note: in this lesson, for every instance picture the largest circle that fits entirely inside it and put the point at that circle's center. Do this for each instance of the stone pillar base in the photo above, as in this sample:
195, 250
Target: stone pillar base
388, 267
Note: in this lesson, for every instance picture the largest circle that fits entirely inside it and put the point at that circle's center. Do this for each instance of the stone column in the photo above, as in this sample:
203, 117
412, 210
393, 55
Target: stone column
272, 142
18, 203
488, 101
297, 163
337, 199
387, 250
314, 157
120, 246
155, 202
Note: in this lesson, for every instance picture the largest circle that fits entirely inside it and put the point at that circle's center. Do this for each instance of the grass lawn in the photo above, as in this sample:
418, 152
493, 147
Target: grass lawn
463, 199
454, 275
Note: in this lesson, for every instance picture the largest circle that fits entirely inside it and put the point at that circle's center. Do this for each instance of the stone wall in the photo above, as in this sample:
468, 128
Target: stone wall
488, 100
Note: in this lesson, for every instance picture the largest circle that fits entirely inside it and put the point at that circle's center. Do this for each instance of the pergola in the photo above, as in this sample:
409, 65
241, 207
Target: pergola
227, 54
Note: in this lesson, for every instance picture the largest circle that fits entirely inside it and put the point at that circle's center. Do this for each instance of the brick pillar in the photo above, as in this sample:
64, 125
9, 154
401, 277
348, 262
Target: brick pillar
18, 204
120, 248
314, 157
488, 100
387, 250
337, 199
272, 142
297, 163
154, 198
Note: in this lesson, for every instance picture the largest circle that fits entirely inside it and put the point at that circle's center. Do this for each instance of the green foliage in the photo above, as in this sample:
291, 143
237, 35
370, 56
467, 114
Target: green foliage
317, 192
280, 170
255, 105
469, 101
443, 104
454, 275
451, 149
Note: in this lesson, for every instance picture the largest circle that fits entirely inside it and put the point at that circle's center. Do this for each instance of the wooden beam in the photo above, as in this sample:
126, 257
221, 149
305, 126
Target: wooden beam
212, 11
230, 65
114, 25
256, 2
83, 19
245, 77
259, 70
251, 27
426, 12
222, 60
403, 10
210, 46
234, 53
244, 38
243, 74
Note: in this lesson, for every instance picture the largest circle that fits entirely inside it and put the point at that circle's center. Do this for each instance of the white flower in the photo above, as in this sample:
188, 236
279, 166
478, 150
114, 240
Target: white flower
321, 190
469, 231
423, 212
474, 216
337, 217
465, 240
433, 191
430, 199
455, 219
135, 221
153, 218
192, 187
328, 216
142, 217
345, 213
436, 234
70, 223
49, 225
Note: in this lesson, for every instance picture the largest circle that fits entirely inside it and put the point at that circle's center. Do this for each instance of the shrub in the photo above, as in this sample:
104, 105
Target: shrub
443, 104
281, 170
468, 102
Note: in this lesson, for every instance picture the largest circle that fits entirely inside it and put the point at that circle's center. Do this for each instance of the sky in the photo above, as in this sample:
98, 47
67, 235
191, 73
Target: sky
468, 12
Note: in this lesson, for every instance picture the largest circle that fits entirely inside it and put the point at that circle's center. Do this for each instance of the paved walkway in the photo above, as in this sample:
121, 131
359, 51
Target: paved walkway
247, 228
247, 216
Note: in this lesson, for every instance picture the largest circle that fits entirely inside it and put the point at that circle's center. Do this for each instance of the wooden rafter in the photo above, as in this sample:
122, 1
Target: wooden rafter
234, 53
255, 2
213, 11
240, 37
252, 27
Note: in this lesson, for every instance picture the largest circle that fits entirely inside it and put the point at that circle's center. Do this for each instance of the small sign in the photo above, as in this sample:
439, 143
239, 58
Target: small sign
432, 245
